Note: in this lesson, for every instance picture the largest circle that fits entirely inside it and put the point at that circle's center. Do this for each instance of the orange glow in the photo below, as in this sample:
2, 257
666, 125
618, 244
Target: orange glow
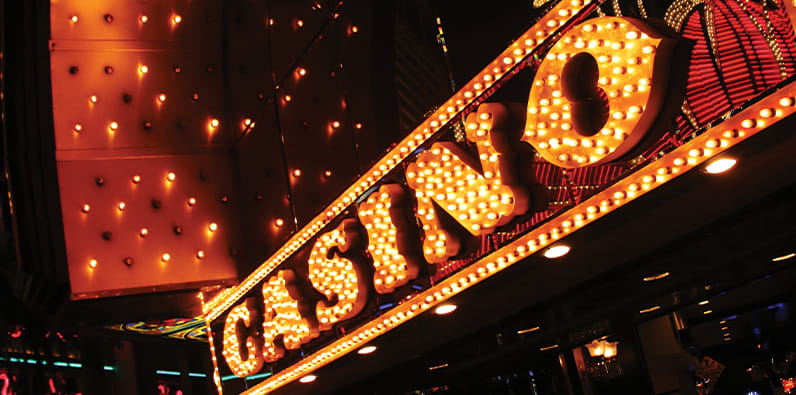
279, 222
354, 29
299, 23
385, 215
288, 98
121, 206
176, 19
143, 19
73, 19
327, 173
113, 126
357, 125
200, 254
478, 201
335, 124
136, 179
92, 98
232, 343
471, 91
301, 71
92, 263
282, 317
143, 232
337, 277
191, 201
162, 97
214, 123
297, 173
143, 69
78, 127
170, 177
212, 227
86, 208
567, 122
165, 257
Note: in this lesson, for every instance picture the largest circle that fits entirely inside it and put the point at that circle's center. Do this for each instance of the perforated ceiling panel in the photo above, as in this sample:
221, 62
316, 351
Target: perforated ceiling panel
147, 199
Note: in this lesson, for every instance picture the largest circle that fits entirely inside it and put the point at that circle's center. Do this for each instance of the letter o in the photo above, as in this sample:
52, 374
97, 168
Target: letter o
597, 92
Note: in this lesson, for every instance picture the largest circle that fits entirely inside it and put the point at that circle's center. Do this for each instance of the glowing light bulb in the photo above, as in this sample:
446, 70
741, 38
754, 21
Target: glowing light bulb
200, 254
136, 179
73, 19
144, 232
301, 71
162, 97
86, 208
366, 350
214, 123
143, 19
171, 176
143, 69
279, 222
78, 127
299, 23
354, 29
113, 126
308, 378
191, 201
336, 124
720, 165
165, 257
92, 98
122, 206
556, 251
288, 98
212, 227
445, 309
297, 173
177, 19
92, 263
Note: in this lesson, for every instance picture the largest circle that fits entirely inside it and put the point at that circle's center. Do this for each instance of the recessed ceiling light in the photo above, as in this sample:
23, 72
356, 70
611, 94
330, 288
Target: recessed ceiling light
656, 276
556, 251
445, 309
308, 378
784, 257
366, 350
720, 165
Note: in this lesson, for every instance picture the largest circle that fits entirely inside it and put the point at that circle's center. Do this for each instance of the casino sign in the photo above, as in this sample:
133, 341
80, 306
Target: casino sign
605, 89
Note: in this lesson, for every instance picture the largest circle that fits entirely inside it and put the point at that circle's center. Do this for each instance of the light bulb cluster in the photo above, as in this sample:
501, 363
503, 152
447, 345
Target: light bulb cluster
174, 19
713, 141
560, 99
385, 215
282, 318
232, 343
509, 60
337, 277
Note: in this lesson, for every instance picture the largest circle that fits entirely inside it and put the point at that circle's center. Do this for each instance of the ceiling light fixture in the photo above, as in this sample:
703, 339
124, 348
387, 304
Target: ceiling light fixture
784, 257
556, 251
720, 165
366, 350
528, 330
308, 378
656, 277
649, 309
445, 309
704, 302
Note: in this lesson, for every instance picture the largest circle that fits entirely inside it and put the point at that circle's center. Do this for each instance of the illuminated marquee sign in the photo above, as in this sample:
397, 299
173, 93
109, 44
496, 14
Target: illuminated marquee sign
600, 87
